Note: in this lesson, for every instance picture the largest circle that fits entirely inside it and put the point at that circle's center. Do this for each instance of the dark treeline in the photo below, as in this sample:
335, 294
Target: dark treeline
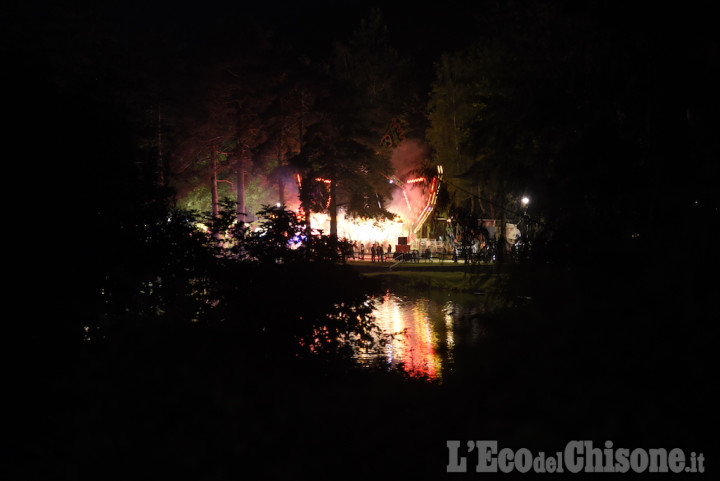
604, 114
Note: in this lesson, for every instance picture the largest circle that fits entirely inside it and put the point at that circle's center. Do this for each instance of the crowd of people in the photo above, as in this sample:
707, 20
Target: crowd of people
376, 252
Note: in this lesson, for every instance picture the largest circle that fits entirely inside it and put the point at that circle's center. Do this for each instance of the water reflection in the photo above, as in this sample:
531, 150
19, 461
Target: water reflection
426, 328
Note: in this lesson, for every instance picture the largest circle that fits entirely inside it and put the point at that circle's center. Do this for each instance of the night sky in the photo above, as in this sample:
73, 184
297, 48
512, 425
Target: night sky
68, 65
91, 45
89, 48
108, 35
75, 72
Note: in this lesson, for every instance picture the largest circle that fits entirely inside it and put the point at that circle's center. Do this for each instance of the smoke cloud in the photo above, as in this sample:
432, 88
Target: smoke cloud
406, 160
409, 156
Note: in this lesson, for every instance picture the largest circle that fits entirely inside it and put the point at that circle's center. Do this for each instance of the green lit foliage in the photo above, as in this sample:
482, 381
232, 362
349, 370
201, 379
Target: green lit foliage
199, 199
524, 109
449, 111
478, 112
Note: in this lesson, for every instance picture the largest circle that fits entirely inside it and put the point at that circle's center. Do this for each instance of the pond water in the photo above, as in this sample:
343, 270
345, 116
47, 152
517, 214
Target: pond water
426, 327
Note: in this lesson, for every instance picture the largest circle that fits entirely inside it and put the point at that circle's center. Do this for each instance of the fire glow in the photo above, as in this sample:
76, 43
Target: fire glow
412, 206
415, 181
367, 231
412, 202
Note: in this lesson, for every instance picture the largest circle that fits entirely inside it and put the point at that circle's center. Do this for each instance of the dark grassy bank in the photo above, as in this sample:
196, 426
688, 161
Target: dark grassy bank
454, 281
457, 277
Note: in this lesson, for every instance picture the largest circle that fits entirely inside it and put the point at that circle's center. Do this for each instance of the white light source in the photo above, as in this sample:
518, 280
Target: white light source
525, 201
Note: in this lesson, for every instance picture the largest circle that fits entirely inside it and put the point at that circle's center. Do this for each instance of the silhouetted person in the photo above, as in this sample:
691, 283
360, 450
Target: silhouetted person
362, 251
389, 252
380, 253
372, 252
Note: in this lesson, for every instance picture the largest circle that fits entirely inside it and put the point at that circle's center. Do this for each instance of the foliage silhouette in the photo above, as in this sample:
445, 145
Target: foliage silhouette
263, 288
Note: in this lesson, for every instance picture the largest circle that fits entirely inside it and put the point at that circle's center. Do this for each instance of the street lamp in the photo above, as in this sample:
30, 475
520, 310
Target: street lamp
525, 201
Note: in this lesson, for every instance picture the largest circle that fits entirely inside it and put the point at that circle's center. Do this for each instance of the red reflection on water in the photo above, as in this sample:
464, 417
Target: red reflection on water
415, 341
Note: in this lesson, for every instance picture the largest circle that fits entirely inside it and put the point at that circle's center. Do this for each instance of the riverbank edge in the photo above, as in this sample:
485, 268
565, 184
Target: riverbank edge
456, 281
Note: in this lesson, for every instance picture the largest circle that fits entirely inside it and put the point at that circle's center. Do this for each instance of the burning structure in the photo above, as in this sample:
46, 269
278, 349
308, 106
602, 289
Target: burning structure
413, 202
414, 194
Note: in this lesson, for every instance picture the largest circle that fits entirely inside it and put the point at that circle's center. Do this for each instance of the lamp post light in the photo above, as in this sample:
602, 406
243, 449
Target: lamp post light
525, 201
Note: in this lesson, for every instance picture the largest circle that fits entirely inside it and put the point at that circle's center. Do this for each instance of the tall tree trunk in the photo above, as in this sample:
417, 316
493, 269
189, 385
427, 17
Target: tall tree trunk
160, 167
304, 196
281, 191
281, 170
308, 222
333, 209
305, 206
502, 247
214, 185
241, 214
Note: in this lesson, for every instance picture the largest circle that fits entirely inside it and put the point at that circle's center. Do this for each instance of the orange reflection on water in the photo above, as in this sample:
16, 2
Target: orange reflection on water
416, 336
